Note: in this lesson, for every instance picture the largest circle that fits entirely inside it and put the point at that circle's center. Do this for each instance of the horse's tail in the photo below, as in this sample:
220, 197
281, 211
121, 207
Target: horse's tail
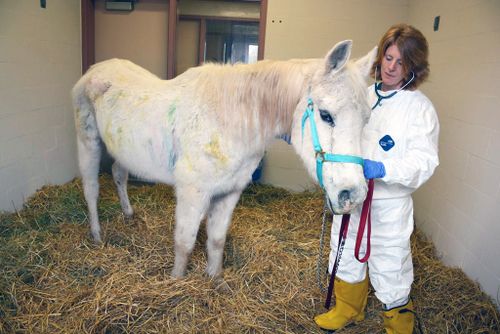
84, 93
89, 147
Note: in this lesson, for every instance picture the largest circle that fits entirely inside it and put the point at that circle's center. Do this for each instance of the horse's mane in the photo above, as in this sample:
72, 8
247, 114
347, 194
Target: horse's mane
264, 94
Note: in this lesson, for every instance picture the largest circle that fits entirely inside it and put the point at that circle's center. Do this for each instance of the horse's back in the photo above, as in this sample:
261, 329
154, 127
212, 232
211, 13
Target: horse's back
121, 72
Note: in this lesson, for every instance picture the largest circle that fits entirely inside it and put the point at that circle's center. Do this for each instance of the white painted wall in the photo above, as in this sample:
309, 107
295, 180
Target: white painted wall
458, 207
40, 60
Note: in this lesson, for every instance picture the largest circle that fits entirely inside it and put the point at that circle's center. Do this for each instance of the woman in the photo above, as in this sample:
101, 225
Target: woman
400, 144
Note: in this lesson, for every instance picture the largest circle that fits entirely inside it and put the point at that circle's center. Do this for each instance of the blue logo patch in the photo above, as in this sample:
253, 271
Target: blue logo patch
386, 142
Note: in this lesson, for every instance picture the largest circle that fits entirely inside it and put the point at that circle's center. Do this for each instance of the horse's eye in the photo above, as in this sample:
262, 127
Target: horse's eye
326, 117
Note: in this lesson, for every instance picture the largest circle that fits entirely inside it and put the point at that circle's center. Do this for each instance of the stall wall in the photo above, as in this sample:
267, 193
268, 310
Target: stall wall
139, 36
458, 207
40, 60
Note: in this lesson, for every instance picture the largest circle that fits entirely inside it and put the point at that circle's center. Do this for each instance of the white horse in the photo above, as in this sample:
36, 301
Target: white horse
206, 131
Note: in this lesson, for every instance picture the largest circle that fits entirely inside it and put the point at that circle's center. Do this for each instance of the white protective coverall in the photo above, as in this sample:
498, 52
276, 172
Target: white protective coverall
409, 120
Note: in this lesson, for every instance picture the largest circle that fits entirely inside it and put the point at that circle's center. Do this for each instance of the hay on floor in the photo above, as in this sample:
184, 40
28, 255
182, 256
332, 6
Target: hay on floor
55, 280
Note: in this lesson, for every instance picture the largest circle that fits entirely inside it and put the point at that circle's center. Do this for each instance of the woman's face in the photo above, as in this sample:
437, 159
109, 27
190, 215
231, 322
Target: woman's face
392, 69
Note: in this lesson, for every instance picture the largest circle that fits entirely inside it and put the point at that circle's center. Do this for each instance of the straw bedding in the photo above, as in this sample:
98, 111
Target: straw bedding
53, 279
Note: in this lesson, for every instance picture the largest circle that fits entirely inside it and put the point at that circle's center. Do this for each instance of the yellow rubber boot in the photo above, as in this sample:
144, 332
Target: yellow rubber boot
400, 320
350, 303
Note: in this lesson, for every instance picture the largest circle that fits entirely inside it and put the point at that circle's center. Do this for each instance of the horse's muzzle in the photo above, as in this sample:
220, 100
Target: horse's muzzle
348, 199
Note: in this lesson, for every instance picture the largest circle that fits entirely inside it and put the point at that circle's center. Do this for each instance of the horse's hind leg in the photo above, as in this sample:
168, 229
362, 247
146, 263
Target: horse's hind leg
218, 222
120, 176
89, 155
191, 208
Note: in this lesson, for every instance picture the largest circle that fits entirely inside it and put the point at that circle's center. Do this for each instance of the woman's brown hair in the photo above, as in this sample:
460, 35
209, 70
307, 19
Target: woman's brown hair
414, 53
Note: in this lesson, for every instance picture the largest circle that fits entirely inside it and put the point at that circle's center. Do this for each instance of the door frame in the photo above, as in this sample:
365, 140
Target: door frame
88, 33
202, 19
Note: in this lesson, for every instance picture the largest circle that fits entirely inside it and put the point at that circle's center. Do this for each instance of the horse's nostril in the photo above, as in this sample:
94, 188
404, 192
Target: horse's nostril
344, 196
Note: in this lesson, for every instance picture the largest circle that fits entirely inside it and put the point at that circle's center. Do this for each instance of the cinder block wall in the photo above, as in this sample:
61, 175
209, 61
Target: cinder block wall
40, 60
458, 208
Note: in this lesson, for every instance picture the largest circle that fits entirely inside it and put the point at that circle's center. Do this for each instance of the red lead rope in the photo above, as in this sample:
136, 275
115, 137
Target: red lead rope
364, 219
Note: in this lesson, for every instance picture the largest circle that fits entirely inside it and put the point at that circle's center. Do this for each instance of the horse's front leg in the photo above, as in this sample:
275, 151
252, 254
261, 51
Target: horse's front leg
218, 222
192, 205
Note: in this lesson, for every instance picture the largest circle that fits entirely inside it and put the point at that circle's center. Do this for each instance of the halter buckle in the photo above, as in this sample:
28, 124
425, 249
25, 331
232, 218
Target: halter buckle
310, 102
320, 156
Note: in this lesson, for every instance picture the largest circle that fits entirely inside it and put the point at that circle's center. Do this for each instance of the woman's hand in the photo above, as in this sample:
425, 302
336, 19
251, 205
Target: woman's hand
373, 169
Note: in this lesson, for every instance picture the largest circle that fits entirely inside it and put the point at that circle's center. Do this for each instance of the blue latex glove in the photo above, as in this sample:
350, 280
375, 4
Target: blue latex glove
373, 169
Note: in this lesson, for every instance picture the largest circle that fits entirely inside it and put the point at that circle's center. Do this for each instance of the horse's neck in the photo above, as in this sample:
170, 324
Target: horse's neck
281, 87
253, 100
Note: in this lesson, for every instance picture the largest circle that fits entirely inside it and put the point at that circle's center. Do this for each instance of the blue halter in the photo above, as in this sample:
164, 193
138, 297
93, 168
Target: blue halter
321, 156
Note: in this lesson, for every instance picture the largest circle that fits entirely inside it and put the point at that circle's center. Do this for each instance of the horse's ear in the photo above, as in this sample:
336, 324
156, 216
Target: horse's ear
338, 56
365, 64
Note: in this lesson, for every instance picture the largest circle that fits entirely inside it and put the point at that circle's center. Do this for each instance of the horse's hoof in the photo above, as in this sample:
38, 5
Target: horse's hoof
176, 274
221, 285
96, 239
129, 216
93, 243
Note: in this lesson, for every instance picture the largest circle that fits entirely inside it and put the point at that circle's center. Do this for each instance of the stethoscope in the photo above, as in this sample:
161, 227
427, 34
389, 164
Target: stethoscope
378, 86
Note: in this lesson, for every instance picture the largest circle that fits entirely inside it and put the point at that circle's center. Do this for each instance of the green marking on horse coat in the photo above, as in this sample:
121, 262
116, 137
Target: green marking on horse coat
112, 137
213, 148
171, 112
113, 99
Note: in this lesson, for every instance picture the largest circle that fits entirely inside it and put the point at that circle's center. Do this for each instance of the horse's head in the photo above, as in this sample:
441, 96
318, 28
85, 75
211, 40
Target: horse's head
327, 126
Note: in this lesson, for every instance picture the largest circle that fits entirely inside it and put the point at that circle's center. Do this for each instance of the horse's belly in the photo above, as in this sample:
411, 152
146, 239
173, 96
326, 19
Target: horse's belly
143, 164
147, 150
